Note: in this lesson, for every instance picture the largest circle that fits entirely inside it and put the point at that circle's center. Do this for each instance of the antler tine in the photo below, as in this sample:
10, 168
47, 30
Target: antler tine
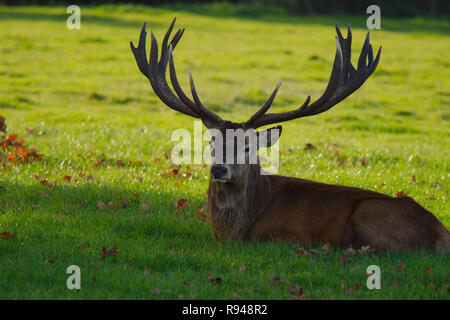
156, 72
209, 114
344, 80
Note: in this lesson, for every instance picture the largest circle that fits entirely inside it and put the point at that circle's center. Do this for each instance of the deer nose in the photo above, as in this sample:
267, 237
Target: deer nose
218, 172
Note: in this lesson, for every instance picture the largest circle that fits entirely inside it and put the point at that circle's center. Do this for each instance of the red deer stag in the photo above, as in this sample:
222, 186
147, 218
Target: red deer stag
244, 204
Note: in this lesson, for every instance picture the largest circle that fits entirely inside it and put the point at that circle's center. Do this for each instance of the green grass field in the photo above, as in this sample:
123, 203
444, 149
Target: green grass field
78, 96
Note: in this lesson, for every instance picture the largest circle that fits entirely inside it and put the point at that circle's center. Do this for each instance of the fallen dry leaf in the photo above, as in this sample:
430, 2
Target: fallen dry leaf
241, 269
401, 266
156, 291
216, 280
2, 124
101, 205
202, 215
396, 283
5, 235
309, 146
366, 249
400, 193
143, 207
181, 204
123, 202
108, 252
297, 291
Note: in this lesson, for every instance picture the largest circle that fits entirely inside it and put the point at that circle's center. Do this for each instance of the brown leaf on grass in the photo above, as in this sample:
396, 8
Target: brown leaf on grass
396, 283
413, 179
309, 146
156, 292
67, 178
400, 266
301, 252
143, 208
350, 250
400, 193
428, 270
315, 252
341, 163
108, 252
274, 279
342, 258
176, 252
241, 269
44, 182
15, 150
326, 248
363, 161
216, 280
136, 195
203, 216
123, 202
98, 162
120, 163
180, 205
6, 235
50, 261
344, 289
297, 291
347, 290
101, 205
44, 193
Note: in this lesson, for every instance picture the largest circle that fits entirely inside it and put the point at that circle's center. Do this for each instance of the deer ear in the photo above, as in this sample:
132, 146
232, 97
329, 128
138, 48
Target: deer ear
268, 137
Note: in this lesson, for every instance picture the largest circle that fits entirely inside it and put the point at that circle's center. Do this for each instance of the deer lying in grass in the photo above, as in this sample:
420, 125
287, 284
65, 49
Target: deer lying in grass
243, 204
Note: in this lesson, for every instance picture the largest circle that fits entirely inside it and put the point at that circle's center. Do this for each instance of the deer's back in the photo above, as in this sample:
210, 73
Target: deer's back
307, 211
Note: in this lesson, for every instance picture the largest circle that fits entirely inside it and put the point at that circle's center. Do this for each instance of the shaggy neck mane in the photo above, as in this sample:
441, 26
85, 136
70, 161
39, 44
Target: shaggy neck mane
233, 207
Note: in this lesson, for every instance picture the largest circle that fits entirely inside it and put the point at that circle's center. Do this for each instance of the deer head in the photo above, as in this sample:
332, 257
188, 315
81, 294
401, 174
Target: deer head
344, 80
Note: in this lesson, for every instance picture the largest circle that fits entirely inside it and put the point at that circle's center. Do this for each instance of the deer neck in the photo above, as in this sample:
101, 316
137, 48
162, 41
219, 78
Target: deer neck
233, 207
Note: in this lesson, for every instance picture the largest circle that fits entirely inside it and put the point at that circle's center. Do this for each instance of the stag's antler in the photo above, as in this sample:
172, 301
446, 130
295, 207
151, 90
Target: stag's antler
156, 72
344, 80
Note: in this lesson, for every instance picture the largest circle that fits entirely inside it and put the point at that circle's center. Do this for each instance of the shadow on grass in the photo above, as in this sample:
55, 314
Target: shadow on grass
266, 14
109, 21
245, 12
118, 210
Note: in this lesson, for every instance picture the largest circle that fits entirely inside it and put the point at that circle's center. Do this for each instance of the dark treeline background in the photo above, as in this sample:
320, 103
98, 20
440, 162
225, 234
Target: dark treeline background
396, 8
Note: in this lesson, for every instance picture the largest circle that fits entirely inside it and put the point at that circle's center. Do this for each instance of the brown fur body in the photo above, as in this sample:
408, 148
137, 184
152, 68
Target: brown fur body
263, 207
